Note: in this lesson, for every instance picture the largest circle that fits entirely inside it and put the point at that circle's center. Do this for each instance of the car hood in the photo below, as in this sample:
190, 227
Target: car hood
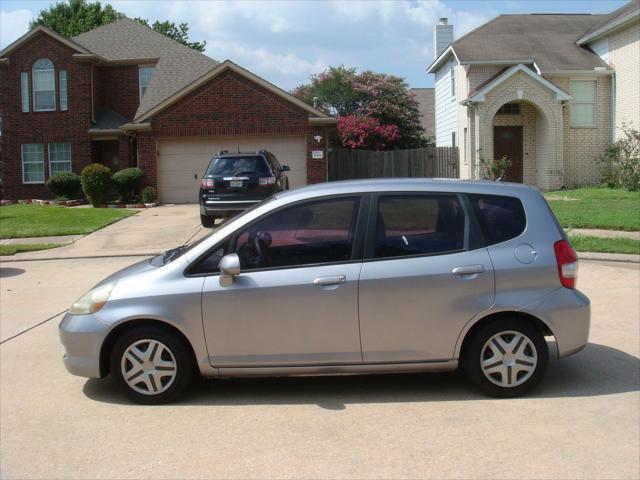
139, 267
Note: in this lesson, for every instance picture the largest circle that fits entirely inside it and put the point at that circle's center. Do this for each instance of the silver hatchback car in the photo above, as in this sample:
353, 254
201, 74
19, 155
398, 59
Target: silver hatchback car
380, 276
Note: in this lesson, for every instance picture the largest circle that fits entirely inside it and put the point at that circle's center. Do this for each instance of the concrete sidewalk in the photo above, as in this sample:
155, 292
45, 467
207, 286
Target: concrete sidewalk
150, 232
595, 232
64, 239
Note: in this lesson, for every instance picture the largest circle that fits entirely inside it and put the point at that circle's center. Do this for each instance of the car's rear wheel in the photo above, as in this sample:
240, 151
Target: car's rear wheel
506, 358
152, 365
207, 221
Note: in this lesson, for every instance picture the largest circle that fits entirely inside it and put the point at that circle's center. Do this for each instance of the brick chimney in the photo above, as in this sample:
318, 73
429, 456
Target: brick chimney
442, 36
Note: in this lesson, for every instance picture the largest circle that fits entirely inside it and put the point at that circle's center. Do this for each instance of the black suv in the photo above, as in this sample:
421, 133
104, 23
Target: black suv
235, 181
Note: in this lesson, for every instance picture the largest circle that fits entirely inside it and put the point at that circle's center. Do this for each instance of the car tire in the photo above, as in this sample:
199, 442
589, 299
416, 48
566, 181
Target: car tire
158, 359
506, 358
207, 221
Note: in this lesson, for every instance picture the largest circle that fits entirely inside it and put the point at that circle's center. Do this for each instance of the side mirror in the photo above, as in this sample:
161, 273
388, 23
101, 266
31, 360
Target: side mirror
285, 168
229, 267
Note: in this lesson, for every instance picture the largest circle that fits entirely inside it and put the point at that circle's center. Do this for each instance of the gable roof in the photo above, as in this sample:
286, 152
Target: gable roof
479, 94
615, 19
42, 29
125, 40
549, 41
217, 70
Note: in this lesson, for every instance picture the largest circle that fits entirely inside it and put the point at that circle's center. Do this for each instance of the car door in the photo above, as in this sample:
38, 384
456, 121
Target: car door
295, 301
422, 278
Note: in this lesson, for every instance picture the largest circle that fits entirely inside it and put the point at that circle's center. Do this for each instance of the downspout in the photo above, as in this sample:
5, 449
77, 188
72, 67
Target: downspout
563, 105
613, 107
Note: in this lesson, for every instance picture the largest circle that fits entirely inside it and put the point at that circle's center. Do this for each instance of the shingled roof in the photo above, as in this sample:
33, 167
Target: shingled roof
612, 20
549, 40
125, 40
426, 105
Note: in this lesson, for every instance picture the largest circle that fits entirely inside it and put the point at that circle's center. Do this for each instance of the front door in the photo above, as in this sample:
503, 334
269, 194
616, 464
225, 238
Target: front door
420, 281
507, 141
295, 301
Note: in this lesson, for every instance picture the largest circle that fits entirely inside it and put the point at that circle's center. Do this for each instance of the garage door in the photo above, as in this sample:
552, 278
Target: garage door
181, 163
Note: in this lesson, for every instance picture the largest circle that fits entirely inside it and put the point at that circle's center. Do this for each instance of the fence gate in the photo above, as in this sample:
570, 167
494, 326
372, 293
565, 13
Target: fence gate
436, 162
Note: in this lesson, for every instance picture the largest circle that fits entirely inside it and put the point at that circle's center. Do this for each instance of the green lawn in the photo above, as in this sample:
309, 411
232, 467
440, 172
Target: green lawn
27, 247
45, 220
607, 208
607, 245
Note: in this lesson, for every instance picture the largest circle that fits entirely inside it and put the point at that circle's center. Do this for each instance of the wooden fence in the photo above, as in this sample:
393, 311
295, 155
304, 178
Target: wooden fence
435, 162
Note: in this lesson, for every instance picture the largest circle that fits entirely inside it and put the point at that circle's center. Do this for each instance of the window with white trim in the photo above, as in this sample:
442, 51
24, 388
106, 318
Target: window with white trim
59, 158
145, 74
24, 90
32, 163
63, 90
44, 86
583, 103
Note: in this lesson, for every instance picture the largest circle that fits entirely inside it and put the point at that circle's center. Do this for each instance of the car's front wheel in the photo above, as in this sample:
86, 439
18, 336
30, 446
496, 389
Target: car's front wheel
506, 358
152, 365
207, 221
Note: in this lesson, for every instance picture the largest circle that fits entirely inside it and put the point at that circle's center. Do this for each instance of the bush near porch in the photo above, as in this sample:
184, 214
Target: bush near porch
605, 208
17, 221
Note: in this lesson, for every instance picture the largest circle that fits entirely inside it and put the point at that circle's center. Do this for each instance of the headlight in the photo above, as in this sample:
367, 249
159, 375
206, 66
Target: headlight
93, 300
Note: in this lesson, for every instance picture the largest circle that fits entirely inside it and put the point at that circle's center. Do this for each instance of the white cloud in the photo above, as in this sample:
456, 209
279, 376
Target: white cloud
13, 25
286, 41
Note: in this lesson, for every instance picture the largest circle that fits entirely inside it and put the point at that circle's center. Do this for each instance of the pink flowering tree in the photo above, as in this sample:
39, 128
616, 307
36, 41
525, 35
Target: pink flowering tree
376, 104
362, 132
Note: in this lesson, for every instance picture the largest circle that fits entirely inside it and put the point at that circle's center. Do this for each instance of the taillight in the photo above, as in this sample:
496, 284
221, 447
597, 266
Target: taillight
206, 183
264, 181
567, 263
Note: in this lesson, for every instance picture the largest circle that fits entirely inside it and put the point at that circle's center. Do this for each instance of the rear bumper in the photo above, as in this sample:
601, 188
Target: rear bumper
567, 313
226, 206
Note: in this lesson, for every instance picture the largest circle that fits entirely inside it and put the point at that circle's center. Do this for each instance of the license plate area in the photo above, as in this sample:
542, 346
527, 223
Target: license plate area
236, 183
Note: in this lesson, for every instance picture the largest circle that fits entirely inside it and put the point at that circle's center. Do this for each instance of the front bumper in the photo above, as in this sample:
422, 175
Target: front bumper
82, 337
567, 312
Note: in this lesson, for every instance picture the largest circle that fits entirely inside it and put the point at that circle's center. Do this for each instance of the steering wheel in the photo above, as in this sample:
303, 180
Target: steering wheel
262, 241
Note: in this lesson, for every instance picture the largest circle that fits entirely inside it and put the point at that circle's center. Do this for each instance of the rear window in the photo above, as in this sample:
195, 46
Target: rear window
235, 166
501, 218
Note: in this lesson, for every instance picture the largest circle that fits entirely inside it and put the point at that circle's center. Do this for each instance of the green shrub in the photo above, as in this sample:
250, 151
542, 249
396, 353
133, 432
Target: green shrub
65, 185
621, 161
148, 194
96, 183
128, 182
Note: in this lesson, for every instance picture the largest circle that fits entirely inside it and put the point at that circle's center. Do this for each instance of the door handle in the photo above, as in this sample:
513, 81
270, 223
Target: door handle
332, 280
468, 270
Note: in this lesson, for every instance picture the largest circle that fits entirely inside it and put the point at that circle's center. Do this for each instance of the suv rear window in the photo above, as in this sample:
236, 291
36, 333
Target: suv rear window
234, 166
501, 218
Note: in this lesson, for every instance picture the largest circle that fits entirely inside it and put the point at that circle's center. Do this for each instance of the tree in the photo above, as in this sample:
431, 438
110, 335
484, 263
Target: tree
179, 33
78, 16
75, 17
341, 92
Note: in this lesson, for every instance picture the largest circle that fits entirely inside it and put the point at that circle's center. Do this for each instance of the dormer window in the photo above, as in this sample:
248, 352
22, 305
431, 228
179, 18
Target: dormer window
44, 86
145, 74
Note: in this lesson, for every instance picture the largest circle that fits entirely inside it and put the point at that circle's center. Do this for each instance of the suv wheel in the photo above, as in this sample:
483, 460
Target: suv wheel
151, 365
506, 358
207, 221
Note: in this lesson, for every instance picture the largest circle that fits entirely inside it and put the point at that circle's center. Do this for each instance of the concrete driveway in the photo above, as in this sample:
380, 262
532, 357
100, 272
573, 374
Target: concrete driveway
583, 421
148, 232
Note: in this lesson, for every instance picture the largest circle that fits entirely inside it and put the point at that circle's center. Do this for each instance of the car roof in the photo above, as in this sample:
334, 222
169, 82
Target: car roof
405, 185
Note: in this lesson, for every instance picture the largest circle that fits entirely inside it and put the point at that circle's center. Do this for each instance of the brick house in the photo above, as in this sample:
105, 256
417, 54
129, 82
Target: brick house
549, 91
124, 95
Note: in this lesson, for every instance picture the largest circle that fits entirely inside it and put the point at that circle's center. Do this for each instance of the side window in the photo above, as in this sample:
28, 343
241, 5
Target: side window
311, 233
418, 225
209, 264
501, 218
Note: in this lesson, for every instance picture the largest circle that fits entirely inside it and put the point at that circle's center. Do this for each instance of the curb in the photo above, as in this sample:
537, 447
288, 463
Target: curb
12, 259
609, 257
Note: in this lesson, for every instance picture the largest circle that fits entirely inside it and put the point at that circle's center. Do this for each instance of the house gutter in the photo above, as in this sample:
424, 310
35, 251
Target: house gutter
136, 127
323, 120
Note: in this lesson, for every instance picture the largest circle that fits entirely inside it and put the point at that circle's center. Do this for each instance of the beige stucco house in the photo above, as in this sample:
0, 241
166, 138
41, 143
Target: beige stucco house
549, 91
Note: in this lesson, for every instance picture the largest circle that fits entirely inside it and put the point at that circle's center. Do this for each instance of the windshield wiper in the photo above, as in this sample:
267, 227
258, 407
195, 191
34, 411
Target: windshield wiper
170, 254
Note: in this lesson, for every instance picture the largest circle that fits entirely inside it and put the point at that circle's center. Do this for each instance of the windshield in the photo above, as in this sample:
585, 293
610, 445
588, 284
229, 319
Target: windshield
234, 166
171, 255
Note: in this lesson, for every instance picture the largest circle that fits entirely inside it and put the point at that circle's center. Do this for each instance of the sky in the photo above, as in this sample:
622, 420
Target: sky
286, 41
